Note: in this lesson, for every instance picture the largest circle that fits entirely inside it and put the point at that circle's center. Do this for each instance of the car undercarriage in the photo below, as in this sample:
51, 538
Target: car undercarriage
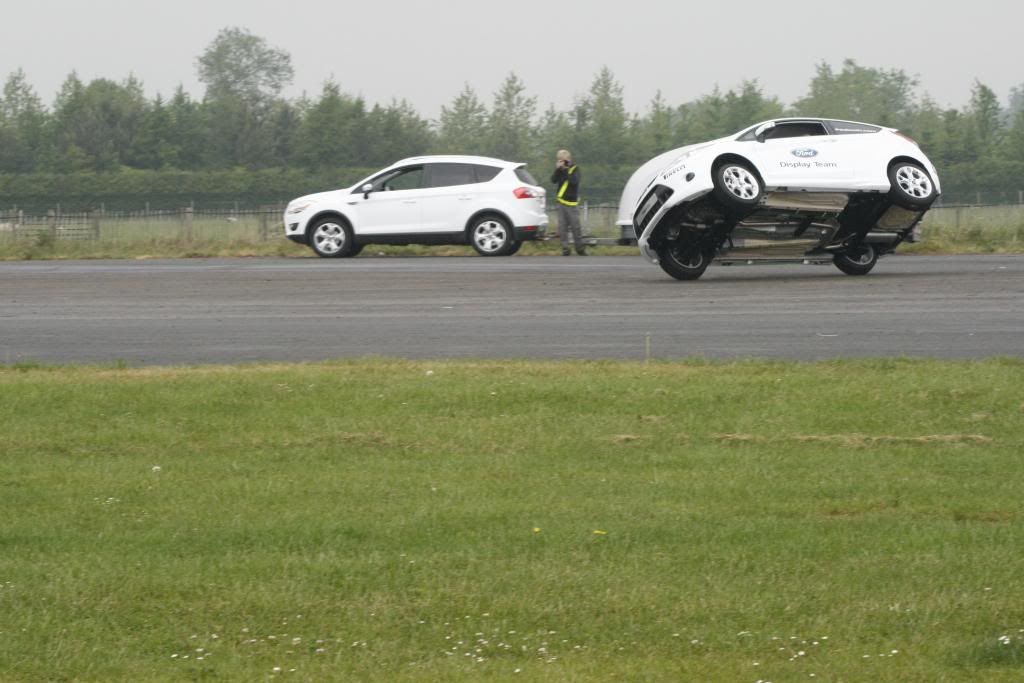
785, 226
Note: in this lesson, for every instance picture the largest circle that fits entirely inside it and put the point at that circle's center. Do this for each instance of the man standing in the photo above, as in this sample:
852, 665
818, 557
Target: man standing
566, 179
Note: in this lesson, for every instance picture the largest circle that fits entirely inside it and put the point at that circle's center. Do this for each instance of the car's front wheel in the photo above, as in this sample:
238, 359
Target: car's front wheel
683, 264
491, 236
737, 186
912, 187
331, 238
857, 260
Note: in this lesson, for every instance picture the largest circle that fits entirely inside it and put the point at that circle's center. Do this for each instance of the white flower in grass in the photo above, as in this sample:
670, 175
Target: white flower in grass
157, 469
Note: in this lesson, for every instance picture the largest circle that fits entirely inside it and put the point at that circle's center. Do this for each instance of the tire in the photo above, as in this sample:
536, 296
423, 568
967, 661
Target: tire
737, 186
331, 237
689, 266
858, 261
491, 236
356, 248
515, 247
912, 187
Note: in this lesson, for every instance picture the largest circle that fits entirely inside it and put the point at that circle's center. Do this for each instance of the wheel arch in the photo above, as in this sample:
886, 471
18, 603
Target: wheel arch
737, 158
904, 157
328, 213
486, 212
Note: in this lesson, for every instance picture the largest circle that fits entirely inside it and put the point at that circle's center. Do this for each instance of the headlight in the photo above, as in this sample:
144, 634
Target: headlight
298, 208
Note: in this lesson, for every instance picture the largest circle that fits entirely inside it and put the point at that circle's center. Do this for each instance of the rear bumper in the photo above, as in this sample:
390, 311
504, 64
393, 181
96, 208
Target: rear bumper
532, 232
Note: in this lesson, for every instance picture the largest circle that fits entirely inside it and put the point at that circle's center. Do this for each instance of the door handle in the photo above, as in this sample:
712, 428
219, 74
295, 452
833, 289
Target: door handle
465, 198
408, 201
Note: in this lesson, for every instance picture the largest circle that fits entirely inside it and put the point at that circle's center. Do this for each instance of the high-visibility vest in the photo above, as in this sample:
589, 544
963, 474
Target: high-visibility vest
565, 186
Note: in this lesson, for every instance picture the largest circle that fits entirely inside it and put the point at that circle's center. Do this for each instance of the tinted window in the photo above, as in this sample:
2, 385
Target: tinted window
848, 128
408, 178
446, 175
486, 173
525, 176
794, 130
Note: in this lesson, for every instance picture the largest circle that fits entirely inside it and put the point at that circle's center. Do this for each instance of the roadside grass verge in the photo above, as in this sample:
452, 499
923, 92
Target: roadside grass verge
390, 520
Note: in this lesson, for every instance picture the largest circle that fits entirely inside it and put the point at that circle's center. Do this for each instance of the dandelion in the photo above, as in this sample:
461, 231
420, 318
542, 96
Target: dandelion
157, 469
600, 532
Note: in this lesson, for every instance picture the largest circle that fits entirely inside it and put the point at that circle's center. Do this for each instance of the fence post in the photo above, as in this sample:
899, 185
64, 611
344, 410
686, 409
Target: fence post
188, 211
1020, 196
51, 224
264, 227
94, 218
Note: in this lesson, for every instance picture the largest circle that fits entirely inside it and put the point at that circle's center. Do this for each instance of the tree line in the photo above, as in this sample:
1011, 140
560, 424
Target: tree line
104, 138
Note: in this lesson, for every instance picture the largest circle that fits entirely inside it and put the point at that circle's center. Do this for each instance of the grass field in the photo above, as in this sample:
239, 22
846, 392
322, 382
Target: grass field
440, 521
992, 229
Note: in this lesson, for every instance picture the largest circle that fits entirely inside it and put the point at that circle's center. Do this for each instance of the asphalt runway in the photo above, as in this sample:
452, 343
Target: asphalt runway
240, 310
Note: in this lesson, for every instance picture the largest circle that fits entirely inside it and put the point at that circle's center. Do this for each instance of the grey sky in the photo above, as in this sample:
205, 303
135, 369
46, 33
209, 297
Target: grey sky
426, 51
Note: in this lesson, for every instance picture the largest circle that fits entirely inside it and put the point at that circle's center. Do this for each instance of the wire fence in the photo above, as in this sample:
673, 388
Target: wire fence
266, 223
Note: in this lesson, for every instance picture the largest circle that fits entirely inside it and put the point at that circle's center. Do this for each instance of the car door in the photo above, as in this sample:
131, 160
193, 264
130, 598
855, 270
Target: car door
392, 207
800, 155
866, 150
451, 191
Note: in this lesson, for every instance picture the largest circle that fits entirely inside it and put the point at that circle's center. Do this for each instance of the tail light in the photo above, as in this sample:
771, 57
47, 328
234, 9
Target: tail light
907, 137
524, 193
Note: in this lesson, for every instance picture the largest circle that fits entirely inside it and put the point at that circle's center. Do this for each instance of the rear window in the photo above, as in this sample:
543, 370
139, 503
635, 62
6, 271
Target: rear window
848, 128
446, 175
486, 173
525, 176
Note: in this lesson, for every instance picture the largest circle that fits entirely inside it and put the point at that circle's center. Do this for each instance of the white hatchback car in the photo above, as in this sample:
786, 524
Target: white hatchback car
814, 190
491, 204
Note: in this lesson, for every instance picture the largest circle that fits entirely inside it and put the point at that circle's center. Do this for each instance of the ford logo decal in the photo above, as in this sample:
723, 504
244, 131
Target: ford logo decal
805, 152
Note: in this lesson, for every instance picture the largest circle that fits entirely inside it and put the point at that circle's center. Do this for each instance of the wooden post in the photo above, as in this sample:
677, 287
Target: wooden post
264, 227
51, 224
188, 224
94, 218
1020, 196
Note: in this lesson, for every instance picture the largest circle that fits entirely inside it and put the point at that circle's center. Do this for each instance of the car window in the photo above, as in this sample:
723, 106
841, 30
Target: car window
849, 128
525, 176
408, 178
797, 129
485, 173
447, 175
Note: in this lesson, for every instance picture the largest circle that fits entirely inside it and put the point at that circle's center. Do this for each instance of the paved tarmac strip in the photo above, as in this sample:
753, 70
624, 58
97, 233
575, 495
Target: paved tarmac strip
240, 310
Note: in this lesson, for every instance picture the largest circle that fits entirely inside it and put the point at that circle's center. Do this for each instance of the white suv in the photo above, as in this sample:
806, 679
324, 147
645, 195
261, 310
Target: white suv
491, 204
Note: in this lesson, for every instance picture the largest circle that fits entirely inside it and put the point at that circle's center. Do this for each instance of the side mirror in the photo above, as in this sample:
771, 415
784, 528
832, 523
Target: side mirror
762, 130
367, 189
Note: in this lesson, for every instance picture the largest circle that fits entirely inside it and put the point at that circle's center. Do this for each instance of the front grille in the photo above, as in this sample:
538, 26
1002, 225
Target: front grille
649, 207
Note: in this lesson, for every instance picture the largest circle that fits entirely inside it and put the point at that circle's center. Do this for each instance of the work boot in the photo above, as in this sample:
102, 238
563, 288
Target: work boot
582, 251
565, 252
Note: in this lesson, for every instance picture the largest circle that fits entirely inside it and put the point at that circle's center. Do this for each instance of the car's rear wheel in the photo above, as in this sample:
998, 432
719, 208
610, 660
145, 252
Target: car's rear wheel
491, 236
331, 238
857, 260
737, 186
683, 264
912, 187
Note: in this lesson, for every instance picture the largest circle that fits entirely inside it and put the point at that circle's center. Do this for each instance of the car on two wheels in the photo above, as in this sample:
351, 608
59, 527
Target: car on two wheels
788, 190
490, 204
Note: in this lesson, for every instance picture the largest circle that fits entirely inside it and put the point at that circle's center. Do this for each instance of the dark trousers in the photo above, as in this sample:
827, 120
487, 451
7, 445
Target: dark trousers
569, 219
